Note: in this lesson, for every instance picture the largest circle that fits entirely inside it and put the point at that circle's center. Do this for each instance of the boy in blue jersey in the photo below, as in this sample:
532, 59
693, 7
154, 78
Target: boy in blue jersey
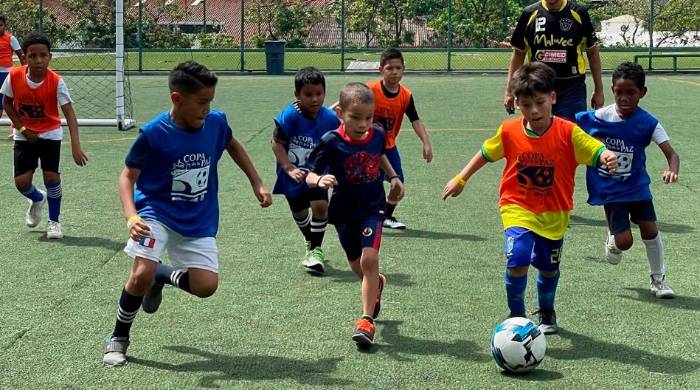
298, 129
174, 207
351, 160
627, 129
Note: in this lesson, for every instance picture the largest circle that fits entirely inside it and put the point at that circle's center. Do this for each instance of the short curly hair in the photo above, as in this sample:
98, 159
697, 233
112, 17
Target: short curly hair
630, 71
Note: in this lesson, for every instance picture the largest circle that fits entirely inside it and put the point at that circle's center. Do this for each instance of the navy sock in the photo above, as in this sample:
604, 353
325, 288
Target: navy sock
546, 290
126, 312
33, 194
177, 278
54, 193
515, 291
318, 230
389, 210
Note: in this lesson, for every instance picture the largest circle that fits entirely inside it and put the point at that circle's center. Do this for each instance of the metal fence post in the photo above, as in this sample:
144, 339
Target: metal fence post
651, 31
242, 35
449, 35
140, 36
204, 16
342, 35
41, 16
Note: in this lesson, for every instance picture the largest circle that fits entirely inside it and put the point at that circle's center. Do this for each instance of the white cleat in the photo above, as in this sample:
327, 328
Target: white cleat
115, 351
54, 231
612, 254
392, 223
34, 211
660, 287
313, 262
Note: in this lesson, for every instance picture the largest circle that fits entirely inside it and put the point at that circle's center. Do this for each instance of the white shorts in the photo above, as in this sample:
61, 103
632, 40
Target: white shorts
184, 252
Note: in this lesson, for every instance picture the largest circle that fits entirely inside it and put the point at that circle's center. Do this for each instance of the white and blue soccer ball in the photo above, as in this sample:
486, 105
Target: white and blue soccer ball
518, 345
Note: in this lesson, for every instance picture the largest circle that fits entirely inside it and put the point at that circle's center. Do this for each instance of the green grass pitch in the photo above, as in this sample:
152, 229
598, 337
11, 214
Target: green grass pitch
270, 325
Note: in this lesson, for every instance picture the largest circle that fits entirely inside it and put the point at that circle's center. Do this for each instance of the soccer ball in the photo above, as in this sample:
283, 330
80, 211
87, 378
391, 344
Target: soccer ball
518, 345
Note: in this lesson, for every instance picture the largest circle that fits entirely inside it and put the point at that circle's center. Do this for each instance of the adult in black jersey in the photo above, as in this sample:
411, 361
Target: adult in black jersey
557, 32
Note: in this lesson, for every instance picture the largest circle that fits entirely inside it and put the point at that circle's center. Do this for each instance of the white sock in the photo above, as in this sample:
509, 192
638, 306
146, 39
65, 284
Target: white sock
655, 255
612, 245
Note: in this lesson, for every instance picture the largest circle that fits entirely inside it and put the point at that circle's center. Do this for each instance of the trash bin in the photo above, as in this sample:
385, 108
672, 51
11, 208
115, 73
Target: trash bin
274, 56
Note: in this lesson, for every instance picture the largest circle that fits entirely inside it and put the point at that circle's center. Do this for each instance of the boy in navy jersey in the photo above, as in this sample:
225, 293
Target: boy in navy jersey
627, 129
174, 207
353, 157
298, 129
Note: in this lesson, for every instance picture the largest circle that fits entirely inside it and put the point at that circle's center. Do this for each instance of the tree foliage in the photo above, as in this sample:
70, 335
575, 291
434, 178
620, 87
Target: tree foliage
282, 19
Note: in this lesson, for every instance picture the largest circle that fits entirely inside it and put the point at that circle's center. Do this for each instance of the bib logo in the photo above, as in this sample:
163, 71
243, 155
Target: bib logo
542, 39
565, 24
367, 232
535, 172
190, 178
362, 167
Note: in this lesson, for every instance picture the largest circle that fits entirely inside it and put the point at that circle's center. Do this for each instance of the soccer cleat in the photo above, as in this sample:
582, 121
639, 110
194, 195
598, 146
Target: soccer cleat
548, 321
612, 254
392, 223
34, 211
378, 303
363, 335
54, 231
115, 351
660, 287
314, 261
152, 299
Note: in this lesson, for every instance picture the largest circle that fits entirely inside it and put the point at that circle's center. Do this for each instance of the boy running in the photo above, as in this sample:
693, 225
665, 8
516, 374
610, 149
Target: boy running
175, 207
537, 186
627, 130
298, 129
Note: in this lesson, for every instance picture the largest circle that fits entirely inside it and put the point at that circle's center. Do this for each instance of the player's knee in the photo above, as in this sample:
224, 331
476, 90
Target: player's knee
624, 241
140, 280
23, 183
648, 230
319, 209
205, 290
517, 272
369, 261
51, 177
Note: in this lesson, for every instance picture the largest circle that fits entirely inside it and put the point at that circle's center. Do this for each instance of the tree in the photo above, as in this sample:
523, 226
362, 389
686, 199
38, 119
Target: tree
478, 23
283, 19
23, 17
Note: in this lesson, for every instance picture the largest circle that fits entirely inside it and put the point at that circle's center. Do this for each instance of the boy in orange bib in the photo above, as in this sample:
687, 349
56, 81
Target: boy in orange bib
537, 186
33, 94
9, 45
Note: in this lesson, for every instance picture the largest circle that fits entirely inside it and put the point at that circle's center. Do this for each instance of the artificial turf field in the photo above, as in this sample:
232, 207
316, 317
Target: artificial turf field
271, 325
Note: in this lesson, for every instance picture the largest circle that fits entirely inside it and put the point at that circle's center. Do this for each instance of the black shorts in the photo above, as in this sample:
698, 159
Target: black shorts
27, 156
303, 202
619, 214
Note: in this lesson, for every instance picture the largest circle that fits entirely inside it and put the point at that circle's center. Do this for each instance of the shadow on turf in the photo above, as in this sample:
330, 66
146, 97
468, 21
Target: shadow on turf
92, 242
584, 347
415, 233
250, 367
664, 227
679, 302
347, 276
535, 375
396, 346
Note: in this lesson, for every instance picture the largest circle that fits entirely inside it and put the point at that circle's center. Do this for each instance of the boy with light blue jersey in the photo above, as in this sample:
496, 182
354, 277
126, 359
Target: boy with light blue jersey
298, 129
174, 207
627, 129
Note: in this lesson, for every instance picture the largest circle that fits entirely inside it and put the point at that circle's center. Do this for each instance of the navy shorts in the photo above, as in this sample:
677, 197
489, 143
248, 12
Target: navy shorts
357, 235
619, 214
303, 202
524, 247
3, 76
27, 156
395, 161
571, 100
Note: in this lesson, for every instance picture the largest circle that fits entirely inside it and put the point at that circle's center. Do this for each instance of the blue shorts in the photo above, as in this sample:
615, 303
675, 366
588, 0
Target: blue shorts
571, 100
3, 76
395, 161
357, 235
524, 247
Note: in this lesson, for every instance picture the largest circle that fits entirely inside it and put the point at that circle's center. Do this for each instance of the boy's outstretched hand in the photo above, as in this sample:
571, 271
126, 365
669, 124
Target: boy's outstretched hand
670, 177
327, 181
264, 196
609, 159
452, 189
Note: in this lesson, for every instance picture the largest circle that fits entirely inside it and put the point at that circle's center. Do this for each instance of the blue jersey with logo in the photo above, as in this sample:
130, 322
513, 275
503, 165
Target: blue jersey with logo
357, 167
628, 139
300, 135
178, 184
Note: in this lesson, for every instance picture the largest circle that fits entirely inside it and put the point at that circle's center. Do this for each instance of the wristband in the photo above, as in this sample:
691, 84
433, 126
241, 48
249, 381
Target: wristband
133, 219
460, 181
319, 180
21, 129
394, 177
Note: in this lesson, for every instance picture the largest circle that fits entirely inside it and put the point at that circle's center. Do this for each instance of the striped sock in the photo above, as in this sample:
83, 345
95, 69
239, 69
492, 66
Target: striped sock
177, 278
33, 194
318, 230
54, 193
126, 313
304, 224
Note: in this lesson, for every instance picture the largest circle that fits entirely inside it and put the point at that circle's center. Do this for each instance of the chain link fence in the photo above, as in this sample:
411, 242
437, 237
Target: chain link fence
342, 35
